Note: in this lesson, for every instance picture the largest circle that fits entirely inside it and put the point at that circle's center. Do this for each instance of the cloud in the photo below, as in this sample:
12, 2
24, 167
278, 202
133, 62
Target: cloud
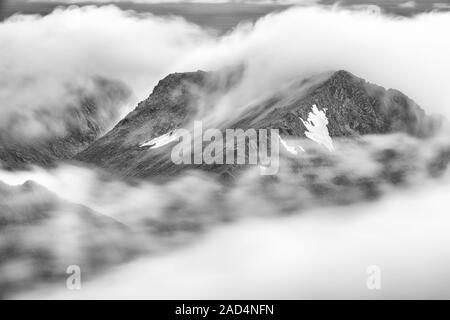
46, 61
41, 55
409, 54
313, 256
323, 254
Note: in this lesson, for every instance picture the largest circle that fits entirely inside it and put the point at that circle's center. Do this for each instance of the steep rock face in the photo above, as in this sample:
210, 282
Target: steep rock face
171, 105
354, 107
83, 123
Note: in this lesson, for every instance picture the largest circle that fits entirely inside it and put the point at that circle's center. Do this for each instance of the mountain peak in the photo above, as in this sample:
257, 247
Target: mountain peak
173, 80
353, 107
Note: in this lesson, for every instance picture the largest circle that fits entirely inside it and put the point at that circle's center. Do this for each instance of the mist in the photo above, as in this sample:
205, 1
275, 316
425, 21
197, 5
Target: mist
41, 55
125, 234
322, 254
45, 61
302, 42
219, 241
194, 238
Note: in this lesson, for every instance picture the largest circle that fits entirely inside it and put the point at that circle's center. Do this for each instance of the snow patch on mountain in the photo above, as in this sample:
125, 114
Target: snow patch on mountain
161, 140
316, 126
289, 148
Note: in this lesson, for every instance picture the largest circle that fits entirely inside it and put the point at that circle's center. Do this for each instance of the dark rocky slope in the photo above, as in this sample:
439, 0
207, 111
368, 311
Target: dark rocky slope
84, 122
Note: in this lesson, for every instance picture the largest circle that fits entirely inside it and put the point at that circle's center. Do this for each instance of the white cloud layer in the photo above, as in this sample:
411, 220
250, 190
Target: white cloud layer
41, 55
43, 58
409, 54
321, 254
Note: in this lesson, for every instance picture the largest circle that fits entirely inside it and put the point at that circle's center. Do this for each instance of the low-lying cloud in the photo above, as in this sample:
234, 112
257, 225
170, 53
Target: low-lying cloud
303, 241
323, 254
45, 61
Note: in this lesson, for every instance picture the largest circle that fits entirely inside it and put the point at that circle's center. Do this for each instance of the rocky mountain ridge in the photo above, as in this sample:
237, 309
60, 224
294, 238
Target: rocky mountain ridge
353, 106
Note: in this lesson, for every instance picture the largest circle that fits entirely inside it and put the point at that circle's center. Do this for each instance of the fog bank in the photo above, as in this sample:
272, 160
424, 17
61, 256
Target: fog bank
41, 55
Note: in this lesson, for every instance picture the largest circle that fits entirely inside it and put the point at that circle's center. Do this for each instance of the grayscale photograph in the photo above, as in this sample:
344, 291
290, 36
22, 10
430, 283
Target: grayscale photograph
218, 150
